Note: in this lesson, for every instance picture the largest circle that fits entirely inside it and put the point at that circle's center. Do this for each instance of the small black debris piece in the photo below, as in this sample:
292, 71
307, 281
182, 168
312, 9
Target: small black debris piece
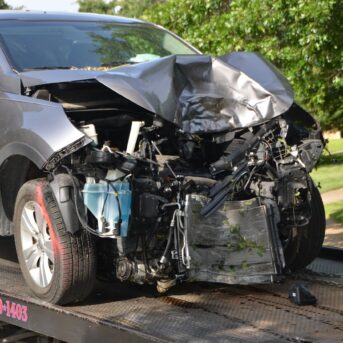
300, 295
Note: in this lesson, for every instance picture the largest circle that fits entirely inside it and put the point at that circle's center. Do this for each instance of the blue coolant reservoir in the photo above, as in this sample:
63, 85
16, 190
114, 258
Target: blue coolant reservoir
110, 203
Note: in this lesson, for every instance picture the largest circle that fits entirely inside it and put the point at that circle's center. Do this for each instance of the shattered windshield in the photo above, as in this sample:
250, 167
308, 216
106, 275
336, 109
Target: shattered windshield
85, 45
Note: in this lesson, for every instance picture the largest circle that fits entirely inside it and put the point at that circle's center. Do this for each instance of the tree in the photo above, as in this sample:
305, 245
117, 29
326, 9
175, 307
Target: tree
96, 6
3, 5
126, 8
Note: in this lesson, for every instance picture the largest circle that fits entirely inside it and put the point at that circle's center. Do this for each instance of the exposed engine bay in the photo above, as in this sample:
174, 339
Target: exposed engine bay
170, 204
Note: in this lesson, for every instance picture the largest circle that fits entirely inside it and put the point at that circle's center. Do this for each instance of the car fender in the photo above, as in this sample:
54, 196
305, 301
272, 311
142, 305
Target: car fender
36, 129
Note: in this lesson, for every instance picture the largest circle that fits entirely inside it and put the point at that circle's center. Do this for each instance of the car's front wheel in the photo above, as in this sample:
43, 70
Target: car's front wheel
306, 245
58, 266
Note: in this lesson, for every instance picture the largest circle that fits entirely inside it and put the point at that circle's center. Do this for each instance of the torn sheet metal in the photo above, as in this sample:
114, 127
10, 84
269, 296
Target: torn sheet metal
232, 246
202, 94
199, 93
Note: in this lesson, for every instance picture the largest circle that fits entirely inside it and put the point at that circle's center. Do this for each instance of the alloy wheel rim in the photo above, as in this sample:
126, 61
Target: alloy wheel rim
36, 244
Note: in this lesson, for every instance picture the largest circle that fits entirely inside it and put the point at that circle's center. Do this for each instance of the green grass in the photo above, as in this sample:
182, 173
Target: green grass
329, 173
334, 146
328, 177
334, 211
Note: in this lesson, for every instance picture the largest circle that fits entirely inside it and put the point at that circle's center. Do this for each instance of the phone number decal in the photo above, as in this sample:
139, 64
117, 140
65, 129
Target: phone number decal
13, 310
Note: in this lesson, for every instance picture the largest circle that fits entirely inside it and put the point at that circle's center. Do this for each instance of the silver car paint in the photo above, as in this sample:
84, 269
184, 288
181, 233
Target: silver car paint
34, 128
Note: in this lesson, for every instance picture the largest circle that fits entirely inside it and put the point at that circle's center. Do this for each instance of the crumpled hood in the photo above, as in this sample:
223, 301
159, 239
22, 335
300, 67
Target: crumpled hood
199, 93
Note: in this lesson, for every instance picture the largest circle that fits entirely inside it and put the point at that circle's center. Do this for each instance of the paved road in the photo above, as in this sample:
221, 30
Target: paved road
333, 234
332, 196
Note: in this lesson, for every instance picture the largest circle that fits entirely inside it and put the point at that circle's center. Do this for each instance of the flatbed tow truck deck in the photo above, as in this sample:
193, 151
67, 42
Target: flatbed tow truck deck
193, 312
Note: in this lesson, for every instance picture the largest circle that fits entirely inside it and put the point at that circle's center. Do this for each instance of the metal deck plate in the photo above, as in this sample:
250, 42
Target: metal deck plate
329, 267
202, 312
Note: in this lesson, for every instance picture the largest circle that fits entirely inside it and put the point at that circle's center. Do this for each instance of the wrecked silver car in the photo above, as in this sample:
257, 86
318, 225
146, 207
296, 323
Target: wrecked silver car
126, 154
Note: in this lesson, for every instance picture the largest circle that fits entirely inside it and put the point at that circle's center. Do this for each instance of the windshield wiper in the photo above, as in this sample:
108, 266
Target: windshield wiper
104, 65
116, 63
48, 68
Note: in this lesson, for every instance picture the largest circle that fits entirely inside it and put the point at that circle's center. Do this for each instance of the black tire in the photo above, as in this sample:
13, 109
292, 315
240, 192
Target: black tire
306, 246
73, 255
